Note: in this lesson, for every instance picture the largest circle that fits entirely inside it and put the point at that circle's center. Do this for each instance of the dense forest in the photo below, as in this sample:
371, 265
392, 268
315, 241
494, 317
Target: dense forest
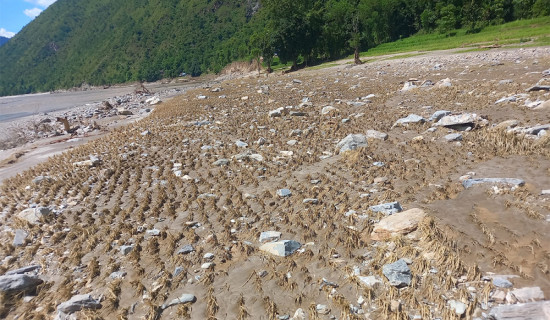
105, 41
3, 40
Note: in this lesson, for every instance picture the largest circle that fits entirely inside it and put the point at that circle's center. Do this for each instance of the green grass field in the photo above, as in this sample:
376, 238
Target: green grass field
529, 32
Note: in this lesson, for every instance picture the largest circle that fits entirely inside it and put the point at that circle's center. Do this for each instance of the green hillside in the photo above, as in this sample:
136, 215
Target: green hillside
106, 41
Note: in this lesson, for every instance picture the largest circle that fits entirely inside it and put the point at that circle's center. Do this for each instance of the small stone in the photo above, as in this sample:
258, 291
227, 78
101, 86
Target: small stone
387, 208
221, 162
299, 314
281, 248
436, 116
370, 281
207, 265
310, 201
34, 215
322, 309
458, 307
284, 193
77, 303
268, 236
241, 144
453, 137
186, 249
19, 238
397, 273
501, 282
126, 249
533, 310
373, 134
24, 269
395, 306
493, 181
184, 298
153, 232
412, 118
528, 294
117, 275
208, 256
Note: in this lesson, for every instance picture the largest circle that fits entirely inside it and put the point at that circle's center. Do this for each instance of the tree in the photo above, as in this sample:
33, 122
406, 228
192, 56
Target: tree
262, 47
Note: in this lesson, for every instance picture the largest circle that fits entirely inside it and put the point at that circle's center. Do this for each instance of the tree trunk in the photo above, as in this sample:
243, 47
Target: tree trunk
356, 56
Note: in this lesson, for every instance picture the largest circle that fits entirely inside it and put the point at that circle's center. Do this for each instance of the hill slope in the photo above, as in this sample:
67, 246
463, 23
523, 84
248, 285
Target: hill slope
105, 41
3, 40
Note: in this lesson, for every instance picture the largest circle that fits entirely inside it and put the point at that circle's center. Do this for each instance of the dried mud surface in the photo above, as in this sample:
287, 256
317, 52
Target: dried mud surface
159, 174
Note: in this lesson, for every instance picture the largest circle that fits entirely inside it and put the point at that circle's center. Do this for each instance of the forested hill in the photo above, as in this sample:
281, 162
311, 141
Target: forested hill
3, 40
110, 41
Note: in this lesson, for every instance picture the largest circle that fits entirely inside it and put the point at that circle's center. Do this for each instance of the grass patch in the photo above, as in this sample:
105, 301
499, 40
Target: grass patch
403, 56
323, 66
517, 32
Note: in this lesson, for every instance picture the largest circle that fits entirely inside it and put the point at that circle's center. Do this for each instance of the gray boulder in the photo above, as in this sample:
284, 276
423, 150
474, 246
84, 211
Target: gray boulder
34, 215
352, 142
281, 248
387, 208
506, 181
461, 121
18, 282
398, 273
77, 303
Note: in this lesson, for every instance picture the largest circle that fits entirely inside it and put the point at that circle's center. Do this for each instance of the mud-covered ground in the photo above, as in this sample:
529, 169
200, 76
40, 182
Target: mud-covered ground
174, 205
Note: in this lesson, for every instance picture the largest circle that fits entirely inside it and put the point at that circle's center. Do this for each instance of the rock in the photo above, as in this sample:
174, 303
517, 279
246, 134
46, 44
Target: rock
412, 118
398, 273
18, 282
322, 309
117, 275
370, 281
207, 196
458, 307
77, 303
207, 265
124, 112
436, 116
398, 223
153, 232
184, 298
186, 249
284, 193
453, 137
40, 179
373, 134
153, 100
387, 208
533, 310
527, 294
501, 282
461, 121
543, 106
19, 237
241, 144
536, 129
538, 88
126, 249
329, 110
311, 201
34, 215
208, 256
221, 162
299, 314
395, 306
276, 113
506, 181
268, 236
352, 142
281, 248
443, 83
23, 270
507, 99
298, 114
546, 72
146, 133
409, 85
507, 124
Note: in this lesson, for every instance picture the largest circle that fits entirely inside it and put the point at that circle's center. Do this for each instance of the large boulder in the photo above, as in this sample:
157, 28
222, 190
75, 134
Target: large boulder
18, 283
399, 223
352, 142
281, 248
77, 303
